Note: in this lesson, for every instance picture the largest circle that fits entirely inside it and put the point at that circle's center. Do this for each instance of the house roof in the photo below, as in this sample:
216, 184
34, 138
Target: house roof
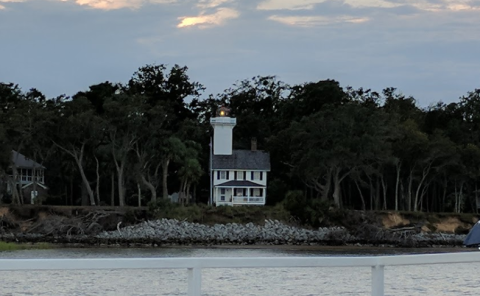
38, 184
21, 161
242, 160
239, 183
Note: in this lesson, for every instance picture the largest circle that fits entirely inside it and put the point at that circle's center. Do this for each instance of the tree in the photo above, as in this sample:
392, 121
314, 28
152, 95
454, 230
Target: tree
170, 150
125, 116
78, 131
328, 145
190, 170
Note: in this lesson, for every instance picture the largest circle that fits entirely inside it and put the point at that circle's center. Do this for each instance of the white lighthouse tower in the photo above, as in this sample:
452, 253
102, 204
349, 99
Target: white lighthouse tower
223, 126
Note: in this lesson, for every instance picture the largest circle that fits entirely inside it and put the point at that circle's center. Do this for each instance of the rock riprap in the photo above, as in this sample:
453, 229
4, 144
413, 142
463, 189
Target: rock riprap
182, 232
171, 231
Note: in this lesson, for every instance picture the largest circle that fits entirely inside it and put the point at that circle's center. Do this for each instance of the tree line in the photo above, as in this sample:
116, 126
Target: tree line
138, 142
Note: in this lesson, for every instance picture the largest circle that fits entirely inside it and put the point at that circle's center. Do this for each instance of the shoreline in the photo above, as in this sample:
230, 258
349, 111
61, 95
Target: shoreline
373, 250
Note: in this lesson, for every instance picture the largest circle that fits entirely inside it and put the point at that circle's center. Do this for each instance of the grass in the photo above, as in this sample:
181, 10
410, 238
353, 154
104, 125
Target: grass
6, 246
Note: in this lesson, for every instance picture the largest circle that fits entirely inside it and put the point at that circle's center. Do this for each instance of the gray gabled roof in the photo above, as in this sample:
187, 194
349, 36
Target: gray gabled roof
242, 160
239, 183
21, 161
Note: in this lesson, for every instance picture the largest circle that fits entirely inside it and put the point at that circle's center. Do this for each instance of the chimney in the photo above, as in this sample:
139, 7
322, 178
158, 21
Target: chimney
254, 144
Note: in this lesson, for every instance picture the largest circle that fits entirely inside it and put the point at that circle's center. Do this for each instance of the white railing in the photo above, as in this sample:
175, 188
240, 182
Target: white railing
223, 120
194, 266
248, 200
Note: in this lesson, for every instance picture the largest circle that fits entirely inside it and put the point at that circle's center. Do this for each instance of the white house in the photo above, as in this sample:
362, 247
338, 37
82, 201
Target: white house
238, 177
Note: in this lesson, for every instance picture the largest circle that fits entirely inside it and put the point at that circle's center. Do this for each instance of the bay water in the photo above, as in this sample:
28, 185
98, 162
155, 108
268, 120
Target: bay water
425, 280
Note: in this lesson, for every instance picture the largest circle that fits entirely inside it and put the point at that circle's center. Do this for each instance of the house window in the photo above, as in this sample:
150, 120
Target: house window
223, 175
222, 190
256, 176
240, 176
222, 198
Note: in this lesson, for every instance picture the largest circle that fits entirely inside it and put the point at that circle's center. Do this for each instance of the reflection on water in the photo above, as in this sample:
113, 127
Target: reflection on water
452, 279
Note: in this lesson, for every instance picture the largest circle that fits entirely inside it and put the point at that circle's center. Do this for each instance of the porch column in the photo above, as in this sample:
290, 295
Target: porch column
264, 194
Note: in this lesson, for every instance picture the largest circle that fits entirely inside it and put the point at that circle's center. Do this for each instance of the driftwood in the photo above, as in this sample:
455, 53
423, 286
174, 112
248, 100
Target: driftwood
6, 223
412, 228
61, 225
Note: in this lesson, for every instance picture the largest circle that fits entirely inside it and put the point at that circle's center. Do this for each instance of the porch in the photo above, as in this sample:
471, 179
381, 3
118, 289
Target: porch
231, 193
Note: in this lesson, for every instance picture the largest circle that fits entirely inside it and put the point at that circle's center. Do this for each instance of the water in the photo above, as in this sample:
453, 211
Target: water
434, 280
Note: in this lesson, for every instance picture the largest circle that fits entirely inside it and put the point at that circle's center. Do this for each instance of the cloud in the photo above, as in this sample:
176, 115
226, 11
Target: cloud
6, 1
204, 4
459, 5
118, 4
207, 20
374, 3
310, 21
425, 5
288, 4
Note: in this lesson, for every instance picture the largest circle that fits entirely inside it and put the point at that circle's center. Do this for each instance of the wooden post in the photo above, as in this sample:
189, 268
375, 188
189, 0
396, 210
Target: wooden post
194, 281
378, 280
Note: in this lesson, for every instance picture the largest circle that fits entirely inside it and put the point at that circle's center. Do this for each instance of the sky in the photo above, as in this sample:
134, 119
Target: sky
428, 49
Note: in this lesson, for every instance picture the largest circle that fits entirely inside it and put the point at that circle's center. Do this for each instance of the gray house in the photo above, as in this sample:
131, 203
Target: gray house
238, 177
29, 178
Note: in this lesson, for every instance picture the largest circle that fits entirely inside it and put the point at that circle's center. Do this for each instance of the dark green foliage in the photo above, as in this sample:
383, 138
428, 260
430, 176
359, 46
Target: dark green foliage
307, 211
212, 215
331, 148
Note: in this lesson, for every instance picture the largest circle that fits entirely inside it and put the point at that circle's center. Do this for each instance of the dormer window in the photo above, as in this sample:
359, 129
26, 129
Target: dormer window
223, 175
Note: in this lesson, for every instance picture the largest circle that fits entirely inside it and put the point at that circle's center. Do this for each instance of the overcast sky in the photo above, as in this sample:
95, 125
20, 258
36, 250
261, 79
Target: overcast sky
429, 49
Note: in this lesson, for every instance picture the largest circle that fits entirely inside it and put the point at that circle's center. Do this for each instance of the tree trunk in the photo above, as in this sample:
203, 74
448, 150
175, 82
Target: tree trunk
78, 157
444, 195
337, 191
425, 172
476, 198
361, 196
121, 186
372, 192
384, 189
71, 191
460, 198
153, 190
120, 179
397, 183
139, 195
188, 192
34, 185
84, 195
78, 160
165, 164
15, 194
112, 196
409, 193
97, 187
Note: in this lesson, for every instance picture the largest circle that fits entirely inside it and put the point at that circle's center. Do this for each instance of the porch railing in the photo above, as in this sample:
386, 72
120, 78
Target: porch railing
194, 266
248, 199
